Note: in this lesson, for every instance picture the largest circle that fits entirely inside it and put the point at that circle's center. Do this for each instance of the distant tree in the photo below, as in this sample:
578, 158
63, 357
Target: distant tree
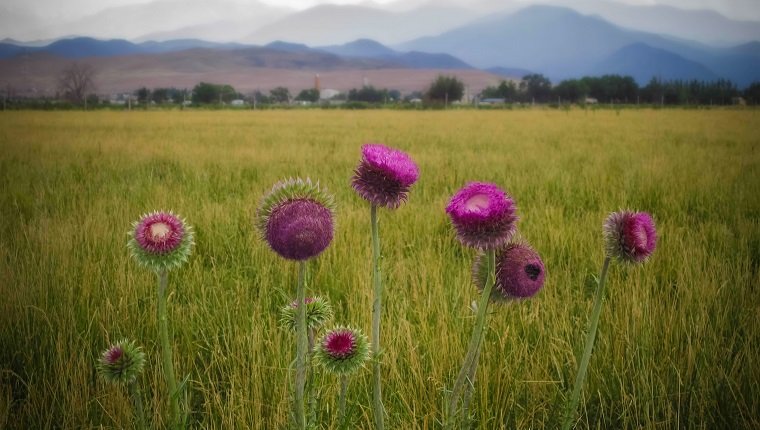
76, 81
394, 95
258, 97
536, 87
280, 95
160, 95
571, 90
506, 90
143, 96
446, 89
310, 95
752, 93
207, 93
368, 94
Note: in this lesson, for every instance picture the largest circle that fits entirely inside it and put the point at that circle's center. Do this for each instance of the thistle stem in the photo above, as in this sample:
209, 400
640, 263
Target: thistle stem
134, 390
377, 404
580, 378
302, 346
342, 401
473, 353
166, 350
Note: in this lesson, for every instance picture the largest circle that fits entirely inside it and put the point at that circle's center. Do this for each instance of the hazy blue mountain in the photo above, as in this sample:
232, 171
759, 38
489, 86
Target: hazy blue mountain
510, 72
332, 24
700, 25
82, 47
182, 44
642, 62
8, 50
562, 43
424, 60
367, 48
280, 45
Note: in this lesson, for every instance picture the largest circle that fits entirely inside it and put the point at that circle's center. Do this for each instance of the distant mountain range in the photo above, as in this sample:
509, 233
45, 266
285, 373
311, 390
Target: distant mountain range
562, 43
556, 41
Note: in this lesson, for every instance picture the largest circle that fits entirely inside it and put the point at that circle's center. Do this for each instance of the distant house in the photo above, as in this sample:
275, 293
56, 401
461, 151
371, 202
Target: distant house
415, 100
237, 102
492, 101
738, 101
590, 101
328, 93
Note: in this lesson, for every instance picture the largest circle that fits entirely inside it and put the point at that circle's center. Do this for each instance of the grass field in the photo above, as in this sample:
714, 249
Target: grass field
678, 346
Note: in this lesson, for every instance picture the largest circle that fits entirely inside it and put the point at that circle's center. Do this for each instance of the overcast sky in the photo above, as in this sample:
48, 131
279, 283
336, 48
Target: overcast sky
42, 19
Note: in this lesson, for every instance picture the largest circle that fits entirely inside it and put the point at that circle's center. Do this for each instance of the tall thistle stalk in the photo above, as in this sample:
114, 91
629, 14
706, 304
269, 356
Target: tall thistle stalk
377, 305
505, 271
629, 237
302, 348
166, 351
469, 367
162, 241
296, 220
318, 312
383, 178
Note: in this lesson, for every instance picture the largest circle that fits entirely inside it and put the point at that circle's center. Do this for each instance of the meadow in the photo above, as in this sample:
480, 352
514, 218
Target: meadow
678, 343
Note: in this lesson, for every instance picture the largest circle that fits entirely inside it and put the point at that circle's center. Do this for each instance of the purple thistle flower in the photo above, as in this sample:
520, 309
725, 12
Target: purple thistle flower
483, 215
296, 219
342, 350
520, 273
630, 236
339, 343
299, 229
159, 233
384, 175
161, 241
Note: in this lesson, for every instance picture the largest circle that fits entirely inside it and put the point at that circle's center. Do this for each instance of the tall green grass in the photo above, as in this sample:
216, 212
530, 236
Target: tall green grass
678, 344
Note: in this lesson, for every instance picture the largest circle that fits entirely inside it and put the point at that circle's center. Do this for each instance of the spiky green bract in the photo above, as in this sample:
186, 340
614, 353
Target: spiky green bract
342, 350
318, 312
158, 258
122, 362
288, 190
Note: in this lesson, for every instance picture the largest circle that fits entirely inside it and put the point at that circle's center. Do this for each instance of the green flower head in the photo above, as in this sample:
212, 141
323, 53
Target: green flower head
121, 363
318, 312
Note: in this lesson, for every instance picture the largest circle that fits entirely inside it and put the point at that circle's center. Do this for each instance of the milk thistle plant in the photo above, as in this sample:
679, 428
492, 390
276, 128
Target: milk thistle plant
121, 364
629, 237
342, 351
484, 218
383, 178
296, 219
162, 241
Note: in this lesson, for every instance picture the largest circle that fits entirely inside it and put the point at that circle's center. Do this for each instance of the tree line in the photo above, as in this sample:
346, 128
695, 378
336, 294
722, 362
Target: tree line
76, 85
536, 88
